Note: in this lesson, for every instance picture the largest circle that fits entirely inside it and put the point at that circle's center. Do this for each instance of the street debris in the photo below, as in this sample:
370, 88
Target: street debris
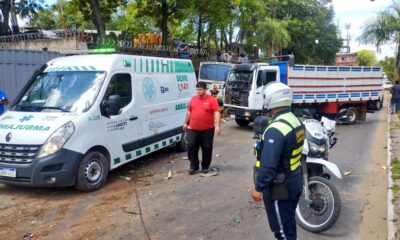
126, 178
347, 173
383, 167
125, 209
169, 175
215, 168
217, 155
28, 235
236, 220
209, 174
185, 158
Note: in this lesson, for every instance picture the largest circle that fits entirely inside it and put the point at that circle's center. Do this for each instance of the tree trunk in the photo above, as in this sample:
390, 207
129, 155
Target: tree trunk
14, 20
199, 30
99, 23
397, 63
164, 22
4, 28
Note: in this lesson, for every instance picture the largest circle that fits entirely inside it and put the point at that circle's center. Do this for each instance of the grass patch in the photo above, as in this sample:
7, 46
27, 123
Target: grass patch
395, 168
396, 190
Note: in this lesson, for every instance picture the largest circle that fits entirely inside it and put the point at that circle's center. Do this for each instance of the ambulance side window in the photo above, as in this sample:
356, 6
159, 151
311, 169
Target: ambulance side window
120, 84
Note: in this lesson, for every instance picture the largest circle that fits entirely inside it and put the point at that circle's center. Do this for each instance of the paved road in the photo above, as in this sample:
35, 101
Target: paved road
195, 207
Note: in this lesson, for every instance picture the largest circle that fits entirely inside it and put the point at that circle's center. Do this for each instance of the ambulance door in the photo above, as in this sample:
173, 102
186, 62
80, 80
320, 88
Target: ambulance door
121, 130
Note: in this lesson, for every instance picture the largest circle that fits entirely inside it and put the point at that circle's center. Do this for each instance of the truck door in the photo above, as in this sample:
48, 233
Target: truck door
264, 76
122, 128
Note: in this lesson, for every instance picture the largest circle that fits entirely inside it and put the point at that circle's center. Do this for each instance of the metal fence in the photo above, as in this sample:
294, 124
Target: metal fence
17, 67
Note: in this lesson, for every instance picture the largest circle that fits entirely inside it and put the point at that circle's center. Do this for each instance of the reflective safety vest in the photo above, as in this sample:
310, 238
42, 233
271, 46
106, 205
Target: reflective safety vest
291, 128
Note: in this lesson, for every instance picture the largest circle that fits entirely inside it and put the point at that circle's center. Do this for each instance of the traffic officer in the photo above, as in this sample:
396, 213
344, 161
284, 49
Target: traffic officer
279, 182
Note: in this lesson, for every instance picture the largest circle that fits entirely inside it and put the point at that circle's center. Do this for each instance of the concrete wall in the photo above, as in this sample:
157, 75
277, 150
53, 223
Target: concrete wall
57, 45
17, 67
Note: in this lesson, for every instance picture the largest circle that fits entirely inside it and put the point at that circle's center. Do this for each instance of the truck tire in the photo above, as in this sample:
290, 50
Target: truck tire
352, 115
378, 105
242, 122
182, 145
92, 172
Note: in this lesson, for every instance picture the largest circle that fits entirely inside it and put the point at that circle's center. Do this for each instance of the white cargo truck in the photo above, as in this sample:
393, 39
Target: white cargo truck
346, 93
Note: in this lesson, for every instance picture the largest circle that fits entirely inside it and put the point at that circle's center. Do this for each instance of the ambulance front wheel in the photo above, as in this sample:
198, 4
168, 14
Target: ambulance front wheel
92, 172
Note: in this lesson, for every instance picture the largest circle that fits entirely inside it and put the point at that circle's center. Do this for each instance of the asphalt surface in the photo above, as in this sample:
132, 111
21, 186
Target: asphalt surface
191, 207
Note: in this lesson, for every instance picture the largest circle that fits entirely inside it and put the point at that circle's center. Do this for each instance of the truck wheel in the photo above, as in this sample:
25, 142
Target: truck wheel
352, 115
182, 145
92, 172
378, 105
242, 122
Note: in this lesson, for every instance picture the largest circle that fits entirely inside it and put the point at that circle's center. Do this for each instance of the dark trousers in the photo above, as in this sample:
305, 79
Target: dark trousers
197, 139
394, 104
281, 213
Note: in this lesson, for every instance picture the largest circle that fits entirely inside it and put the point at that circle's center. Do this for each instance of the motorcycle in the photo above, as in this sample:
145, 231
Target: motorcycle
319, 205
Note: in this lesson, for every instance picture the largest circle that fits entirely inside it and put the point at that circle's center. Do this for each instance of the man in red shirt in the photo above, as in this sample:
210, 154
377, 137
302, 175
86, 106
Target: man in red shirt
202, 120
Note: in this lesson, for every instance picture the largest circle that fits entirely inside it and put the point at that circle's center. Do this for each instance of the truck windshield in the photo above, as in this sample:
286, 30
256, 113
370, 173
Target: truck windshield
214, 72
62, 91
240, 79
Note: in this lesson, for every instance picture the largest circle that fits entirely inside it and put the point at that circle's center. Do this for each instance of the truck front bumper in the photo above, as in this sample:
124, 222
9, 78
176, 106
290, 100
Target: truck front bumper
57, 170
244, 114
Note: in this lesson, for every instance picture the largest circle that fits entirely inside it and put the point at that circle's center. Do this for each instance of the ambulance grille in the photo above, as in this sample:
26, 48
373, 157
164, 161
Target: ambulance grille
10, 153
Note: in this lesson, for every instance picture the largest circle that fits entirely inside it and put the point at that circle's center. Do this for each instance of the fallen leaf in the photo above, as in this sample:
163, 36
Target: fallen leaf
125, 209
347, 173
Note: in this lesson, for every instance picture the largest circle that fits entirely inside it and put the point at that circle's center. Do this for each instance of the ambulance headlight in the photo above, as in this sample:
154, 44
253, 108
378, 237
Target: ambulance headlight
57, 140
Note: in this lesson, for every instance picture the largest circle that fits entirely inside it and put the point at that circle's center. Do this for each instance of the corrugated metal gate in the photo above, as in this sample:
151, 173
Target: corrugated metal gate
17, 67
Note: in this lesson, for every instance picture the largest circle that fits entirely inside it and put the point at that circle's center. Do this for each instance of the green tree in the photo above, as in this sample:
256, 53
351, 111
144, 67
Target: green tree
384, 28
388, 65
9, 9
273, 37
366, 58
163, 11
99, 12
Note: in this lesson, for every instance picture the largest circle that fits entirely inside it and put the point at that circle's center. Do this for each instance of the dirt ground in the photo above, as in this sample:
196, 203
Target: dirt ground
194, 207
374, 188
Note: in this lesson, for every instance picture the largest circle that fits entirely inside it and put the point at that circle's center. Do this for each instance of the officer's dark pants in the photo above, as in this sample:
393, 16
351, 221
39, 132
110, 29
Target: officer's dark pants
197, 139
281, 213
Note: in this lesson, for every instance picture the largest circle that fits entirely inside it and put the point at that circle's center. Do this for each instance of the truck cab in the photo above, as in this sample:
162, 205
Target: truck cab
244, 90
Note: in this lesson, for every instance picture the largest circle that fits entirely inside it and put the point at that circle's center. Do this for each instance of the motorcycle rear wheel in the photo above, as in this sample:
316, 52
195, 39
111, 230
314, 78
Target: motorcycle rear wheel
324, 209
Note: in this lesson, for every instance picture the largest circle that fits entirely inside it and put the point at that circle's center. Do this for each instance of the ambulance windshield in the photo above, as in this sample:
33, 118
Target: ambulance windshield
66, 91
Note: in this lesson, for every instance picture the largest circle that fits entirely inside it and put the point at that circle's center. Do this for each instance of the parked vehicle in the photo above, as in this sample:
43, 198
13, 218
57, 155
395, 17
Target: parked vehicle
387, 85
319, 205
215, 74
325, 89
81, 116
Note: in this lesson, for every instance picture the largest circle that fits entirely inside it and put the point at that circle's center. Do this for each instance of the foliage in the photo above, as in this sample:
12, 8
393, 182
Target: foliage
388, 67
366, 58
384, 28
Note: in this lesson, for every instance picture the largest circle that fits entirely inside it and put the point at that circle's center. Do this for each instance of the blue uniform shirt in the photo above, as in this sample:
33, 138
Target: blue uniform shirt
275, 147
3, 97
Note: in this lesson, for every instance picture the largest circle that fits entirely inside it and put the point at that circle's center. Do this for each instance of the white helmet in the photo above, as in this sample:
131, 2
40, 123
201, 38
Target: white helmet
277, 95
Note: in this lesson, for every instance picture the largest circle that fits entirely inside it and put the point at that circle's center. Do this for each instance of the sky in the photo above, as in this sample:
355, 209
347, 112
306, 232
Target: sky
357, 13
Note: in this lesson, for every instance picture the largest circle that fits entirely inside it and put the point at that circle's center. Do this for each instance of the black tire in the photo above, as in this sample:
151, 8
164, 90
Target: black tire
378, 105
92, 172
352, 115
182, 145
319, 206
242, 122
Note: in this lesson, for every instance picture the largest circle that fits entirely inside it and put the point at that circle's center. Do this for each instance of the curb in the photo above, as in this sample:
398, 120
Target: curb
390, 206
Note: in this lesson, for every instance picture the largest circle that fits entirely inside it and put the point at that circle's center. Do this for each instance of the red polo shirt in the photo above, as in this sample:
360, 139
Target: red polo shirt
202, 112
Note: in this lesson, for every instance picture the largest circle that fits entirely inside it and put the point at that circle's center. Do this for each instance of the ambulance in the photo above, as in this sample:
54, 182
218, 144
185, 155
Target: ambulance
81, 116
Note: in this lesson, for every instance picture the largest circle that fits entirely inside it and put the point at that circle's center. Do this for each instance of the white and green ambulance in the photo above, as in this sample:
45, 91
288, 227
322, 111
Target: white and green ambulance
84, 115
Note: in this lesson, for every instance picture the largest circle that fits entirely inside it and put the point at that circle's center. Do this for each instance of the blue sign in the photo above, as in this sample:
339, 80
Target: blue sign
149, 89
